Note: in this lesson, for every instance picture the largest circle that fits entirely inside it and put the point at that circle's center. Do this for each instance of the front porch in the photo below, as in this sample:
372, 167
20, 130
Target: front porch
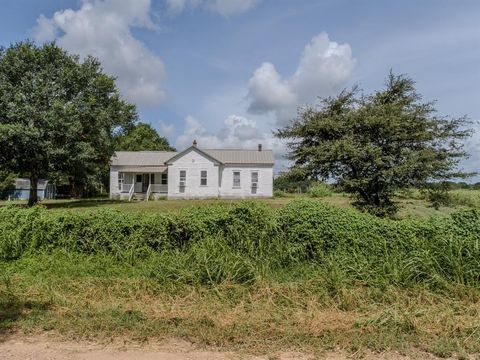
141, 186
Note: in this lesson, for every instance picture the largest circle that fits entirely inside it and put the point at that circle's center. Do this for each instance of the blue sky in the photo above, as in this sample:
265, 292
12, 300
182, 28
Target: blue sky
227, 72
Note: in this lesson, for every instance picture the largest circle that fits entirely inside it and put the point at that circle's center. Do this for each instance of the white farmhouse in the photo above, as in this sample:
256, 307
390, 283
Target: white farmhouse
192, 174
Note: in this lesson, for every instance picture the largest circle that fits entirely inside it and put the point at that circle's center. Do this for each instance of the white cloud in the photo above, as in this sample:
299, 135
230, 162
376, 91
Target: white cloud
166, 130
324, 68
472, 146
236, 132
232, 7
268, 91
222, 7
103, 29
176, 5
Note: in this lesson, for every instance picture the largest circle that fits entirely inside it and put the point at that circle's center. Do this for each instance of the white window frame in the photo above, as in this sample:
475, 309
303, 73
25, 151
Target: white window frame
254, 184
239, 179
121, 180
164, 179
182, 183
204, 177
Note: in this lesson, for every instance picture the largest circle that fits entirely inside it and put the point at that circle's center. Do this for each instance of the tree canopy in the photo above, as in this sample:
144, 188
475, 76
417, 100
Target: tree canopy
372, 145
142, 136
58, 114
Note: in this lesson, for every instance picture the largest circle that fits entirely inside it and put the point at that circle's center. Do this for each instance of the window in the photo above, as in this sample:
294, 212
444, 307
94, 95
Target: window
203, 178
254, 182
139, 177
121, 180
183, 178
236, 179
164, 178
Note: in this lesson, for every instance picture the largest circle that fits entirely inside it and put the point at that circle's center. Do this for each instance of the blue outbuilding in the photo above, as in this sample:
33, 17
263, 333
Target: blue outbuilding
46, 190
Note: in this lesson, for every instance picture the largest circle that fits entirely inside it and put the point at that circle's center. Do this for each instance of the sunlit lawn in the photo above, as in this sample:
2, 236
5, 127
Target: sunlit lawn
408, 207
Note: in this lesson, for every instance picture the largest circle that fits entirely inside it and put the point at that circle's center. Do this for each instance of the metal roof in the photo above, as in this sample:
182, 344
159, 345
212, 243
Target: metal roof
141, 158
224, 156
240, 156
141, 169
24, 183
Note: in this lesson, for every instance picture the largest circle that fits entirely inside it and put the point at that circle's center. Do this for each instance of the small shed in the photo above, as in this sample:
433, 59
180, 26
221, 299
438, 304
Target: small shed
45, 190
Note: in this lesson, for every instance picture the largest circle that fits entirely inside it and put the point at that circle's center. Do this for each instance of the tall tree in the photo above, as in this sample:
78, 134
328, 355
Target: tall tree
57, 114
142, 136
373, 145
7, 182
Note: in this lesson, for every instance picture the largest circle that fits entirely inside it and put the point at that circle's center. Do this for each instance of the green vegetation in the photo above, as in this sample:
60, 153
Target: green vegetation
320, 190
141, 136
58, 115
308, 275
374, 145
7, 182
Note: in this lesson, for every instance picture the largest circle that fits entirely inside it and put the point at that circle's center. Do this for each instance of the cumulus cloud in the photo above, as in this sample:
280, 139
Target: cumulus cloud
167, 129
103, 29
222, 7
324, 68
472, 146
236, 132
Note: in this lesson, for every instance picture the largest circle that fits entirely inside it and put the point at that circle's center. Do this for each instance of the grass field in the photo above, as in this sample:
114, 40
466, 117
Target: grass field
375, 291
409, 206
97, 299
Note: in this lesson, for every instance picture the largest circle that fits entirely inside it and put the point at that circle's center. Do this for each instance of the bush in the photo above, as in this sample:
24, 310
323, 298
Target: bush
248, 240
279, 193
319, 190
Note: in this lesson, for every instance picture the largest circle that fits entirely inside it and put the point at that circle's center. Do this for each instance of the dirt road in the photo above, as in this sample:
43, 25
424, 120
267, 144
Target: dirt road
44, 349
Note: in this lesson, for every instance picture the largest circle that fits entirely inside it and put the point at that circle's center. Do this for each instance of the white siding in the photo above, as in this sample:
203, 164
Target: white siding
265, 181
113, 182
193, 163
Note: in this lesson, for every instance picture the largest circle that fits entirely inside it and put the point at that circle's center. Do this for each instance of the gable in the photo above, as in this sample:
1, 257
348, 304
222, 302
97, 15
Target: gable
192, 154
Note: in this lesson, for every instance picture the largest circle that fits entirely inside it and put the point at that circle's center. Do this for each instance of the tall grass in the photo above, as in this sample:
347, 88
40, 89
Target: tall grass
309, 274
249, 241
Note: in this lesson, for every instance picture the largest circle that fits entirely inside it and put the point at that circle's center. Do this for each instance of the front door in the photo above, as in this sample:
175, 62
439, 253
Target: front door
145, 182
138, 183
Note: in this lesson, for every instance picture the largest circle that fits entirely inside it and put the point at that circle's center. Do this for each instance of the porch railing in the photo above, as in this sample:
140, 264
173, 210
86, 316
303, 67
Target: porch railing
125, 187
160, 188
130, 193
149, 192
155, 188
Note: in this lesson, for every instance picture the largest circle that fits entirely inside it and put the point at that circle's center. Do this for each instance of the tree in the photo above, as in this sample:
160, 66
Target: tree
58, 114
142, 136
373, 145
7, 182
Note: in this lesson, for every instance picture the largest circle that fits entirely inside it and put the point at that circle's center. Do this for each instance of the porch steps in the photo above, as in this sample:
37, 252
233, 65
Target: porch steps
138, 196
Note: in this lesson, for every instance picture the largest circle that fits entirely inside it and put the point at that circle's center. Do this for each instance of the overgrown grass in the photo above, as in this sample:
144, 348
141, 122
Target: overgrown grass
96, 297
308, 275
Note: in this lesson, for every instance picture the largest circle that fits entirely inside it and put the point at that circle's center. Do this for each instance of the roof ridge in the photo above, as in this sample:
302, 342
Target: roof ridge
152, 151
236, 149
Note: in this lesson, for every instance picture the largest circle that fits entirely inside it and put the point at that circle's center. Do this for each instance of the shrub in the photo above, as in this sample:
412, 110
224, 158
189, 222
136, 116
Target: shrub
279, 193
319, 190
248, 240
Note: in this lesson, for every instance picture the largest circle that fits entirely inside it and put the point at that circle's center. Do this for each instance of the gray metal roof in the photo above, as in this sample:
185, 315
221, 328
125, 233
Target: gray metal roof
24, 184
141, 158
240, 156
225, 156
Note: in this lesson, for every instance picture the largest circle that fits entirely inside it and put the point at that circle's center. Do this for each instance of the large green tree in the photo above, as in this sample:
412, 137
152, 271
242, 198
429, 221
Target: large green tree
373, 145
58, 114
142, 136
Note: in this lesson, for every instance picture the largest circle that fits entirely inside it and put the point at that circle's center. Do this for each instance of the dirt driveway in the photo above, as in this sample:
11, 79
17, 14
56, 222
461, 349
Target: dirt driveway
41, 348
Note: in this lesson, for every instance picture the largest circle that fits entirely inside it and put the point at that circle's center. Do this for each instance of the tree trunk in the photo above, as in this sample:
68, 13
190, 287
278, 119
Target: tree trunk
33, 198
77, 189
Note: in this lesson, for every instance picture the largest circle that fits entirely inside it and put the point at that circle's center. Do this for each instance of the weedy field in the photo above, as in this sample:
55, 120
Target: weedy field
251, 276
411, 203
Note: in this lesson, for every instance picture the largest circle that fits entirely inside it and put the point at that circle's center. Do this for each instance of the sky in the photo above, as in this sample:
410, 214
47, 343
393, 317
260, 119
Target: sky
229, 72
